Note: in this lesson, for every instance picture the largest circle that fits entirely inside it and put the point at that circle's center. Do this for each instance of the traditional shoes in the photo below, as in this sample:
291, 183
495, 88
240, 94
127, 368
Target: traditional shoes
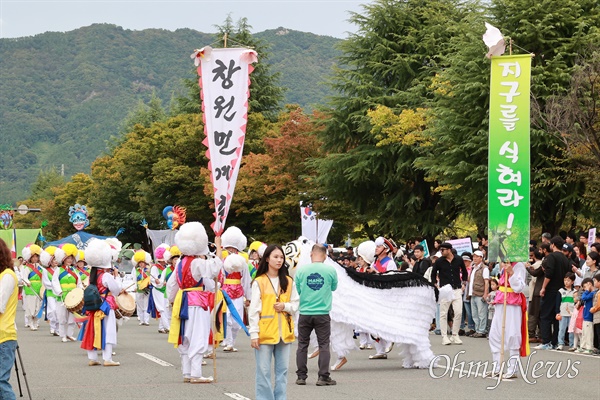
339, 364
313, 354
201, 380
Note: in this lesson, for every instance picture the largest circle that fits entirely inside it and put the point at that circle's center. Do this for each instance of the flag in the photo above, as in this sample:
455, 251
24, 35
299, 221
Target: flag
314, 228
13, 249
494, 41
509, 158
224, 90
425, 248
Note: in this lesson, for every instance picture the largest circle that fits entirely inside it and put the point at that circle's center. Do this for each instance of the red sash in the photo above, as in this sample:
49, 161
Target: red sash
35, 269
73, 274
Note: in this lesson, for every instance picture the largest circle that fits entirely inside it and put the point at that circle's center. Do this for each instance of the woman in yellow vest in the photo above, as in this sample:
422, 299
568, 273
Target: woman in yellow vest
9, 293
271, 314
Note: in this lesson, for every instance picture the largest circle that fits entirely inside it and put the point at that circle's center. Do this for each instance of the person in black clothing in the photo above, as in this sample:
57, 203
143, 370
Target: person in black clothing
452, 271
569, 252
421, 264
556, 265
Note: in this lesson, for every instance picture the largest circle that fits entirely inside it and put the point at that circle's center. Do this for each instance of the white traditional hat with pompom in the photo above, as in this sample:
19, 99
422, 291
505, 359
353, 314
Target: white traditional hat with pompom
233, 237
235, 263
98, 254
367, 251
192, 239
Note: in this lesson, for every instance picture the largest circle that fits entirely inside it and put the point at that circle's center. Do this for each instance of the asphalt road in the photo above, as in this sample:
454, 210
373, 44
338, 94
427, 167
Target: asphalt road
57, 370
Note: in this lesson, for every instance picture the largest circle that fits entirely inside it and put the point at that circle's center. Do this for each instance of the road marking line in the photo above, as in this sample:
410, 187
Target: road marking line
155, 359
236, 396
573, 353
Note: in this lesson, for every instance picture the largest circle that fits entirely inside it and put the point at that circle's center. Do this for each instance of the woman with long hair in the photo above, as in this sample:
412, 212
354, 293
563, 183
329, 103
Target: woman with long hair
271, 314
9, 293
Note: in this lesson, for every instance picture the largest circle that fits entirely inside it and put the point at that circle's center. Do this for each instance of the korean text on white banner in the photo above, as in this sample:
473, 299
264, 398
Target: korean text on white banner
591, 238
314, 228
224, 90
462, 245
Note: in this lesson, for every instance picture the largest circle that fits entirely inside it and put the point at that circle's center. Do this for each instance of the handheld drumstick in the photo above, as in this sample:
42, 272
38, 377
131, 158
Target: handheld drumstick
130, 285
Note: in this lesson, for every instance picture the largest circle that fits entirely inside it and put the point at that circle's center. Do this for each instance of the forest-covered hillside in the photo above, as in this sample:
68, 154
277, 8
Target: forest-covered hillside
64, 95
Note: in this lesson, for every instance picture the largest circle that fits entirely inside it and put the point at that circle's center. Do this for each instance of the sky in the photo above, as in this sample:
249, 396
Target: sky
20, 18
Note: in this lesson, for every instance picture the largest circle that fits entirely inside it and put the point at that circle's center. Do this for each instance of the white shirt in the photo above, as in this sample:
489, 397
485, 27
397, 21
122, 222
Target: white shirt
7, 285
155, 274
486, 275
256, 305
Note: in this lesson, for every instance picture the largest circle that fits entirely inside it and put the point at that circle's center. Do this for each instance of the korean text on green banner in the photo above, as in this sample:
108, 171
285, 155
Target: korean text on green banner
509, 159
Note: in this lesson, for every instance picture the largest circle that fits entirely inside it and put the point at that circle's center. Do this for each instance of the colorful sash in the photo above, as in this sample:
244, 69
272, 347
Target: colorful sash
234, 313
94, 336
34, 271
180, 314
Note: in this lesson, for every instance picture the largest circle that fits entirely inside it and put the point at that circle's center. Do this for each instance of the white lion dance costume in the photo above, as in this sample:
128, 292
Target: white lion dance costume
395, 306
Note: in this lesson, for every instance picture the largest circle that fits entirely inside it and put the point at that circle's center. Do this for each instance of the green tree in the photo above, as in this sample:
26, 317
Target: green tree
46, 182
390, 62
556, 32
154, 167
266, 94
459, 122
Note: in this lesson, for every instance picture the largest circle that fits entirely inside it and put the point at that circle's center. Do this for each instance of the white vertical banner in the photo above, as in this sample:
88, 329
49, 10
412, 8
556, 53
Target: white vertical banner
224, 90
591, 238
314, 228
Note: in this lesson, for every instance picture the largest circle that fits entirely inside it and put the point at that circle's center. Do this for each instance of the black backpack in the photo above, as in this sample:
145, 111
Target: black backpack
92, 300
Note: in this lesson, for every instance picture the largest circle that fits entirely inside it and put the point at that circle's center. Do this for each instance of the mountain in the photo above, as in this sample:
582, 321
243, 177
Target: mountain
63, 95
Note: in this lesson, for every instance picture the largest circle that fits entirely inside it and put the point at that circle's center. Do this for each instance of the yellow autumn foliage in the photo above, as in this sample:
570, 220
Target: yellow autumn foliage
407, 128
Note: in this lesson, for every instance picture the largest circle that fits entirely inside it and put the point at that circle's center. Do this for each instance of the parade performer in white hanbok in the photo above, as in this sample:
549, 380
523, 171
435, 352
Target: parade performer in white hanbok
237, 286
172, 257
190, 290
32, 284
156, 302
49, 263
64, 280
101, 327
396, 306
141, 260
509, 324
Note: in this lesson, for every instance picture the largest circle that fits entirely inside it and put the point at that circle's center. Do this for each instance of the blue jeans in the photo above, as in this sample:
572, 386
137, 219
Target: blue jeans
479, 311
466, 316
563, 326
264, 389
437, 319
7, 355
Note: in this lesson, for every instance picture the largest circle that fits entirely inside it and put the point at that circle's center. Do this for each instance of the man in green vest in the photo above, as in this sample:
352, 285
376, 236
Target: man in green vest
9, 296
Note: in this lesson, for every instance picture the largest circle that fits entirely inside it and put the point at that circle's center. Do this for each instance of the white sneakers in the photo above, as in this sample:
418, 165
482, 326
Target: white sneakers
455, 339
446, 341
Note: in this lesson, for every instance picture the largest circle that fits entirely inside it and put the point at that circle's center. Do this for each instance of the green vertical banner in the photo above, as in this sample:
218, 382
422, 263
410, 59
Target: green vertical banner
509, 159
